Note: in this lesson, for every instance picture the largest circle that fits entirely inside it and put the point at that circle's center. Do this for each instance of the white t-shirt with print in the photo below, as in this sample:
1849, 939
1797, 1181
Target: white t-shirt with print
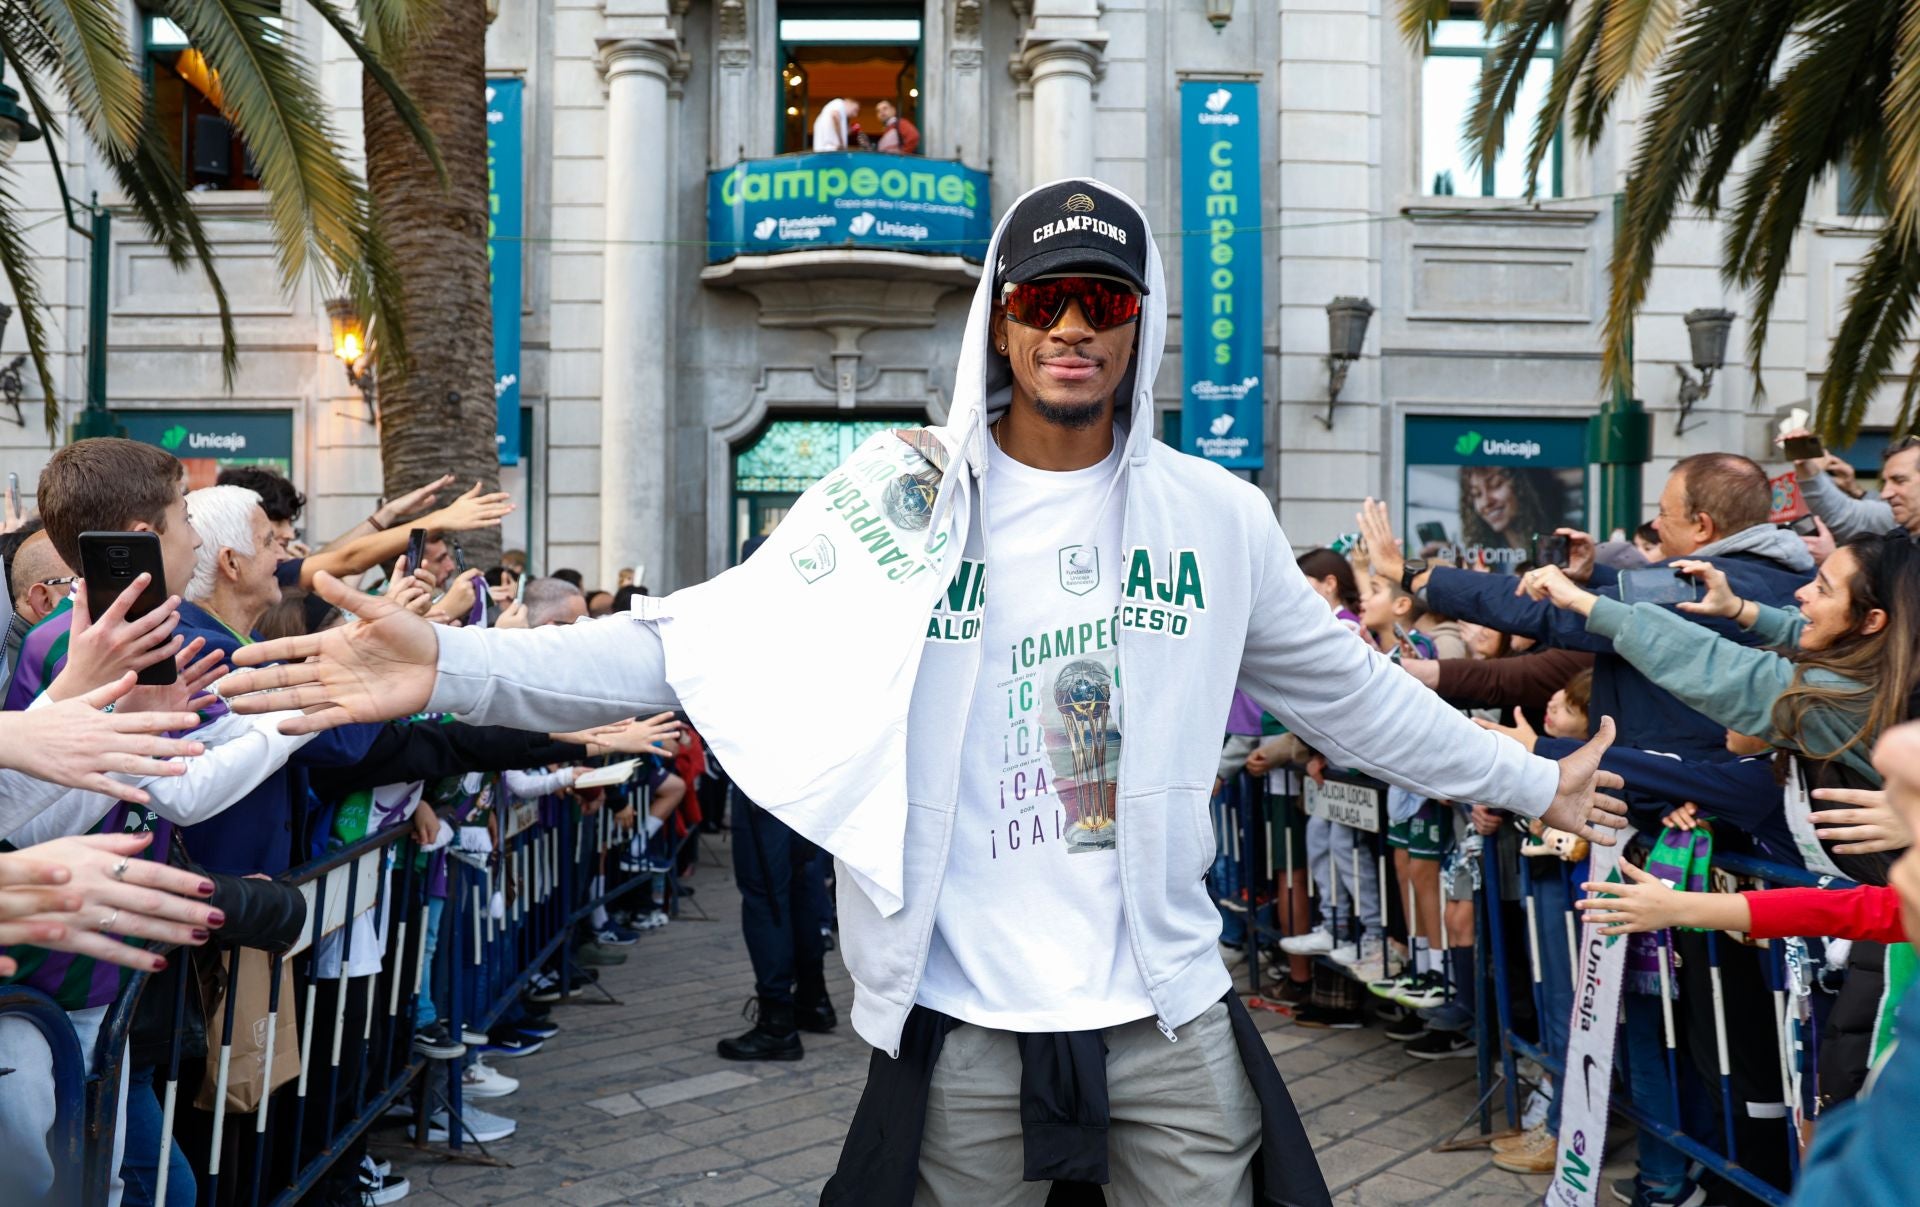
1029, 933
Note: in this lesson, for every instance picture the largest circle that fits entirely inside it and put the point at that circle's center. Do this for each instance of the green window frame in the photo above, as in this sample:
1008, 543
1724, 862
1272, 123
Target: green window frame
1458, 49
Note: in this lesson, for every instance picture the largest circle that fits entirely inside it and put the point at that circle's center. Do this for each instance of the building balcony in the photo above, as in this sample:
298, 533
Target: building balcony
847, 214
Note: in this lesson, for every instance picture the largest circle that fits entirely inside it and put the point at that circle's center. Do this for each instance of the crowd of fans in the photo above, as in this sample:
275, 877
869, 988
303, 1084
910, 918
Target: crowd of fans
146, 826
1761, 708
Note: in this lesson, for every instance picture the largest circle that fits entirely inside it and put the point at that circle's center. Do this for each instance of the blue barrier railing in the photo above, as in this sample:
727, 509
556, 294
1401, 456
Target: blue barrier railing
357, 1060
1257, 857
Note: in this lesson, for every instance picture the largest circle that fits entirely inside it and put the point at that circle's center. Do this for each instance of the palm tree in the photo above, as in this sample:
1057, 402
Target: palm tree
1805, 86
76, 51
437, 411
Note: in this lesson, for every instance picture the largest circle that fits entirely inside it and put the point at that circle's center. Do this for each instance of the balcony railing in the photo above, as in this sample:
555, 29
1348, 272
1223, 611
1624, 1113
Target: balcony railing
847, 199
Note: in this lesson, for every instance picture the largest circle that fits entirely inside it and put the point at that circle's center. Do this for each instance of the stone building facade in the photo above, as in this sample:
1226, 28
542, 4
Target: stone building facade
675, 395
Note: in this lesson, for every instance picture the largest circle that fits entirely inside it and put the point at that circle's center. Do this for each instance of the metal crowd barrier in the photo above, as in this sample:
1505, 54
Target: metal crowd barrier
1256, 855
552, 869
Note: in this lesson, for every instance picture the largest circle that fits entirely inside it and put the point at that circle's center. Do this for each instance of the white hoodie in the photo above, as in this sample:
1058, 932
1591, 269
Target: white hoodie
808, 671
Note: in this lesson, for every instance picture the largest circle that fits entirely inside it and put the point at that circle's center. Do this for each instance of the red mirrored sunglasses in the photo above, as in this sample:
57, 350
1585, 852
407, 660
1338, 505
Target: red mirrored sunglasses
1107, 304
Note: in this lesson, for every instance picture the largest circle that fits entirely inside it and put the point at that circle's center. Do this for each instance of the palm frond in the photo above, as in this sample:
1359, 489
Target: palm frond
389, 25
1632, 40
1664, 163
1748, 101
1503, 76
95, 65
376, 69
1902, 114
1416, 20
1879, 315
1825, 98
16, 261
314, 199
1560, 90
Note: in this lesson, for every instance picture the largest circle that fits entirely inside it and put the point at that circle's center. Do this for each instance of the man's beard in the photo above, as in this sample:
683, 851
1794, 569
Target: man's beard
1074, 416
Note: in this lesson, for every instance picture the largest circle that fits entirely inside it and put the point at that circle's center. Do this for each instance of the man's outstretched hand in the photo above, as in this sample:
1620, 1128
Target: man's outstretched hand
379, 667
1579, 807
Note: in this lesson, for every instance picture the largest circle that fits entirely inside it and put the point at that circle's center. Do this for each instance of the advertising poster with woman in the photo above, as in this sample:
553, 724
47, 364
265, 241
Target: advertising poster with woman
1479, 490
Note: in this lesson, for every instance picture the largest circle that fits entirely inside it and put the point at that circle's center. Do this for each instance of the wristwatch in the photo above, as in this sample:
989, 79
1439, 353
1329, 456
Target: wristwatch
1412, 569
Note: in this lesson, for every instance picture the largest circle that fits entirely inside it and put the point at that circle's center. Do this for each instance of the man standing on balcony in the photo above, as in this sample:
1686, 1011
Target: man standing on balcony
1016, 795
830, 128
902, 137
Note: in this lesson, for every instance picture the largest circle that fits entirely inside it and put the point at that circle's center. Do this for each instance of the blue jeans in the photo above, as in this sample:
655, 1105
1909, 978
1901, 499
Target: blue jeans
1551, 904
140, 1164
424, 1015
1662, 1166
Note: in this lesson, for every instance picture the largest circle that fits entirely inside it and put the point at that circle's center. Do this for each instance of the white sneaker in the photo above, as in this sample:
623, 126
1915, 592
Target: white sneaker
376, 1190
1313, 943
378, 1169
1346, 953
653, 921
479, 1125
482, 1081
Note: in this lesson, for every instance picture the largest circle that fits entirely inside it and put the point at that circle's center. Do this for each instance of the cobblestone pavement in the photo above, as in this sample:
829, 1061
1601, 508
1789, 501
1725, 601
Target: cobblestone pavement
629, 1104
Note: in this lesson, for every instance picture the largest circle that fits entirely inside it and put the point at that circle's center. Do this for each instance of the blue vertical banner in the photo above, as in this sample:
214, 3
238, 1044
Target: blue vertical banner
1222, 400
505, 255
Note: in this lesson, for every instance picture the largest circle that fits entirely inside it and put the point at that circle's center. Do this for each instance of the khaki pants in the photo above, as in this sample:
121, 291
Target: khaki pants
1185, 1122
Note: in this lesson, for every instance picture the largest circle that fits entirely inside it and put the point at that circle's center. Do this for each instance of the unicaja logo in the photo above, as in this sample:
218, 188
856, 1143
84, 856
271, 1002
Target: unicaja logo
1221, 424
1216, 114
1468, 442
173, 437
1217, 100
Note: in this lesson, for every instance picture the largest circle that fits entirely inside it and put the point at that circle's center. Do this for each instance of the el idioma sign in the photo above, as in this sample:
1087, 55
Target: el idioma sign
842, 198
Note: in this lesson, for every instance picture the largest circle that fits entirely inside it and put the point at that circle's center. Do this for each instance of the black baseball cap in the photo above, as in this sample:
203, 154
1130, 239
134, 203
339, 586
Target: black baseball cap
1073, 226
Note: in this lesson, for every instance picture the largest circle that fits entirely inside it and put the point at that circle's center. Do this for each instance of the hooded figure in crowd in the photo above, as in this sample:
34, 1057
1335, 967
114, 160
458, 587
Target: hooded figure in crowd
985, 665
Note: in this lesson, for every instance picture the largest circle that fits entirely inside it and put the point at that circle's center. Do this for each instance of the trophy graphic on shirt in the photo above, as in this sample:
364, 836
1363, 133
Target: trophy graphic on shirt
1084, 694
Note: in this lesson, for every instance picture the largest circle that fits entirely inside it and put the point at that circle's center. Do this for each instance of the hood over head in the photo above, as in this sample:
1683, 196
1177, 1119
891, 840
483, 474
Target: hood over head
983, 383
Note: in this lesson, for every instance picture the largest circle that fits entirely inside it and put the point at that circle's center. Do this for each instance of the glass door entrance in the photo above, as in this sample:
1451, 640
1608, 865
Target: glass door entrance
771, 472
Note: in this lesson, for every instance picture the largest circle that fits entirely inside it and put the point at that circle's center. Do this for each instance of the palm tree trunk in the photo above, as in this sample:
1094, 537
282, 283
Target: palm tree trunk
437, 412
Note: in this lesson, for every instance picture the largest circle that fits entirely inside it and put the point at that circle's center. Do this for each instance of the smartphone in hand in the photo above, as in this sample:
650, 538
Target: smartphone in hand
1806, 525
416, 548
109, 562
1550, 549
1660, 586
1805, 448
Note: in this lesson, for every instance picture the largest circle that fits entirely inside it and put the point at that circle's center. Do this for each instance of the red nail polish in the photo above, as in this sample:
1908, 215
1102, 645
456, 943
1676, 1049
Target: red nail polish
206, 888
202, 935
216, 918
160, 964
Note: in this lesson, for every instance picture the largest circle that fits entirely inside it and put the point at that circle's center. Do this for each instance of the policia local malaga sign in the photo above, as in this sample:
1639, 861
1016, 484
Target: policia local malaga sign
847, 198
1222, 401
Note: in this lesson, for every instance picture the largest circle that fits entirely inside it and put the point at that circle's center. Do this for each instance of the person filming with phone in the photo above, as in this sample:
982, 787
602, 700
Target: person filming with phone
1713, 508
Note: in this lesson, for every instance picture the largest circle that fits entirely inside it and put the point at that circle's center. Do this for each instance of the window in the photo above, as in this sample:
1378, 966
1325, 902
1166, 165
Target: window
187, 106
1860, 198
1448, 81
866, 53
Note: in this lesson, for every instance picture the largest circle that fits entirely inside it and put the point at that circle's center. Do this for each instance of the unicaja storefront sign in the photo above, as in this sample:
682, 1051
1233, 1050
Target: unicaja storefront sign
1221, 410
1479, 489
847, 198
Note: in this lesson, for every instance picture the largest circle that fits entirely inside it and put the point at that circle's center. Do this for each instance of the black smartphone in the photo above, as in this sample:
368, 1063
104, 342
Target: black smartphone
520, 589
109, 562
1431, 532
1658, 585
459, 557
1806, 525
416, 548
1550, 549
1805, 448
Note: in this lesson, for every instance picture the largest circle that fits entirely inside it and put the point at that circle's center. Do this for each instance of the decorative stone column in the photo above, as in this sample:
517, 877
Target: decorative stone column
1063, 52
636, 423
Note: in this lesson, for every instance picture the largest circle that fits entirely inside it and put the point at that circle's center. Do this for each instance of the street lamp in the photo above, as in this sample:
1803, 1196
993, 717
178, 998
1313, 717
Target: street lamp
1347, 320
14, 126
350, 349
1219, 12
1707, 330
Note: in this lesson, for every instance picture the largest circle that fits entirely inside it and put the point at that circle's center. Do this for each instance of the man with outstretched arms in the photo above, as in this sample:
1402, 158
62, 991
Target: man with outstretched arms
1022, 633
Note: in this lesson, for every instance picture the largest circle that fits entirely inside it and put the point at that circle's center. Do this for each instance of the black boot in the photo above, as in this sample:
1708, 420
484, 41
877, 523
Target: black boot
774, 1036
812, 1010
